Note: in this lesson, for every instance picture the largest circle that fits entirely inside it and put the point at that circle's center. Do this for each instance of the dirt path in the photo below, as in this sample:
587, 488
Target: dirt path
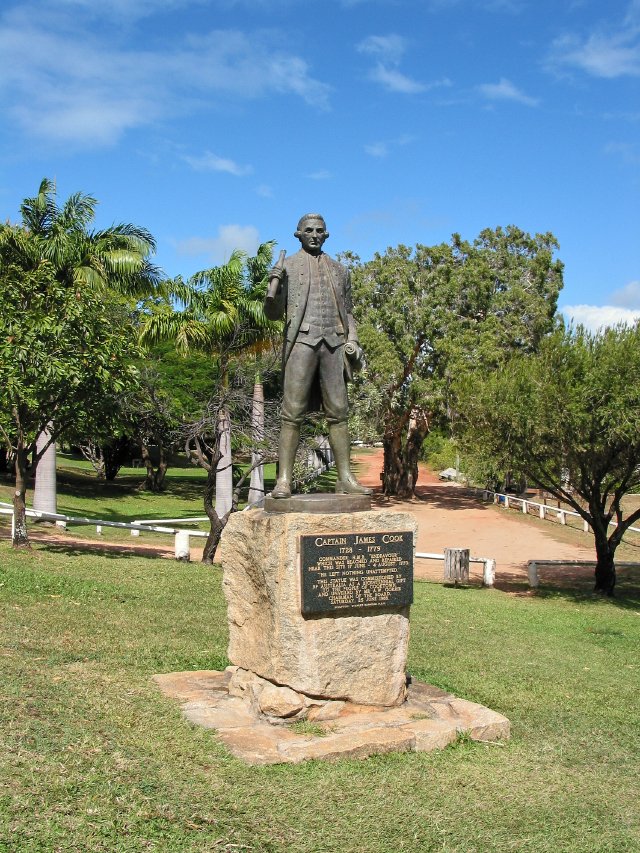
449, 518
446, 516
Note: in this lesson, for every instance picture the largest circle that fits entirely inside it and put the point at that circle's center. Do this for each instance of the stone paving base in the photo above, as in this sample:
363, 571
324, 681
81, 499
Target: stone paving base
429, 719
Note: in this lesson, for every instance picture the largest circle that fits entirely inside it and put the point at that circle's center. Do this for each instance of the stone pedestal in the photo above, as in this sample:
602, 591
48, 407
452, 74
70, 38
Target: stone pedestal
355, 656
428, 719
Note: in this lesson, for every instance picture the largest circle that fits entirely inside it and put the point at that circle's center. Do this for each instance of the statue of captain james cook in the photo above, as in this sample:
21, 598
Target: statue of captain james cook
313, 293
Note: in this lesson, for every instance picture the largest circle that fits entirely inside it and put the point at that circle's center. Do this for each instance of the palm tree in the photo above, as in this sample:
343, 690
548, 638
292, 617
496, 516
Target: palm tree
257, 272
220, 312
114, 260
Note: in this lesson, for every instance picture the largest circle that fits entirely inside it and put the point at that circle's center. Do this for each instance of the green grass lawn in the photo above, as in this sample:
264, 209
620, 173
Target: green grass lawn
80, 493
94, 758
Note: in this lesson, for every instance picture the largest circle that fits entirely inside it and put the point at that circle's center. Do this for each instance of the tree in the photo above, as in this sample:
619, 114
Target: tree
568, 418
261, 340
427, 315
108, 456
113, 261
203, 438
220, 311
60, 354
116, 258
153, 423
143, 424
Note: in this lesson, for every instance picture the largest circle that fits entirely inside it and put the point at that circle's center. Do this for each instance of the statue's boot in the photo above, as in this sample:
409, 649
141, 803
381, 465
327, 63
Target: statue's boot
289, 435
346, 484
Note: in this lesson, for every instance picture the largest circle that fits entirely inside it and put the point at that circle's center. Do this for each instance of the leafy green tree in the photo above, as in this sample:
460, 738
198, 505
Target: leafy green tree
144, 424
108, 456
153, 424
426, 316
60, 355
218, 311
185, 379
567, 418
113, 261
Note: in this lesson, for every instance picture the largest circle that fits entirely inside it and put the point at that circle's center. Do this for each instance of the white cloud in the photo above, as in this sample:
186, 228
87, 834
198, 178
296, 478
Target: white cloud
264, 190
628, 296
382, 148
628, 152
505, 91
595, 317
389, 48
377, 149
210, 162
598, 55
125, 9
218, 249
320, 175
511, 6
609, 51
64, 82
395, 81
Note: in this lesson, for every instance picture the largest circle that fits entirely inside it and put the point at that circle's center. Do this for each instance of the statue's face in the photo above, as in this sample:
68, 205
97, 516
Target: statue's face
312, 235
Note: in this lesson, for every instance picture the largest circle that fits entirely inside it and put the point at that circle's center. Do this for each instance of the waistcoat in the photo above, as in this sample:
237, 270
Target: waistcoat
321, 319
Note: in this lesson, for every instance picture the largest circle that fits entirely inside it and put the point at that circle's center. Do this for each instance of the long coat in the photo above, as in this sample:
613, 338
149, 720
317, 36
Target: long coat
293, 293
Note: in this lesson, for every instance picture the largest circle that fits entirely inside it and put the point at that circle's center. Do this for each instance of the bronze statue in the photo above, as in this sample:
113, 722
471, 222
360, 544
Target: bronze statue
321, 349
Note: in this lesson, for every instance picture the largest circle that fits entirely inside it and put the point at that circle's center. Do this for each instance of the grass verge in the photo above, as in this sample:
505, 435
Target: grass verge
94, 758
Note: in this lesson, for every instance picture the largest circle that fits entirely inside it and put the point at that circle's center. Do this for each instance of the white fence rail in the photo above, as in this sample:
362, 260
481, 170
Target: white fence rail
144, 523
488, 570
507, 501
181, 537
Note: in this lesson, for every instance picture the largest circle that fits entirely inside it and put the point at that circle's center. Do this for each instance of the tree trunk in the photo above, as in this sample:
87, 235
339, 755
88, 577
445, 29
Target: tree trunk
45, 496
161, 471
149, 482
20, 536
393, 466
416, 432
224, 468
115, 454
605, 565
216, 523
401, 458
256, 484
154, 480
93, 454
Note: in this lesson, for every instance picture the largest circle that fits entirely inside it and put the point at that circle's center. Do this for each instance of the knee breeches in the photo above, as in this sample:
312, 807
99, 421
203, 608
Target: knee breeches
302, 367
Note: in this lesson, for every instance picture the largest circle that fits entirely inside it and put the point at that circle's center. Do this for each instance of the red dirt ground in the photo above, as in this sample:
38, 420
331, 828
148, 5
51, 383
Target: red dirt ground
447, 518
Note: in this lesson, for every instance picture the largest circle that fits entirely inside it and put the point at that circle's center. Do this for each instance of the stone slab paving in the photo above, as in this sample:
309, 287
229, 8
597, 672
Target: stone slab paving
429, 719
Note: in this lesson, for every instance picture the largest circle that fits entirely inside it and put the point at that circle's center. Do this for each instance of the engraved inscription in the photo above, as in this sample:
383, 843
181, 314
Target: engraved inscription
356, 570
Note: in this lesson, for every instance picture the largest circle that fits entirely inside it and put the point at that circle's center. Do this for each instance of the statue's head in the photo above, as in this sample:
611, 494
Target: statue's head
312, 232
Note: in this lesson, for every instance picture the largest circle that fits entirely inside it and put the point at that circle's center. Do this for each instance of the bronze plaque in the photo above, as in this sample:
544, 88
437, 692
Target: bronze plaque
344, 571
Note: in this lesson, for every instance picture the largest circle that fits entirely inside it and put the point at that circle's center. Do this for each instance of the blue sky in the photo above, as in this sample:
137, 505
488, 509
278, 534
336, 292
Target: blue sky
217, 124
